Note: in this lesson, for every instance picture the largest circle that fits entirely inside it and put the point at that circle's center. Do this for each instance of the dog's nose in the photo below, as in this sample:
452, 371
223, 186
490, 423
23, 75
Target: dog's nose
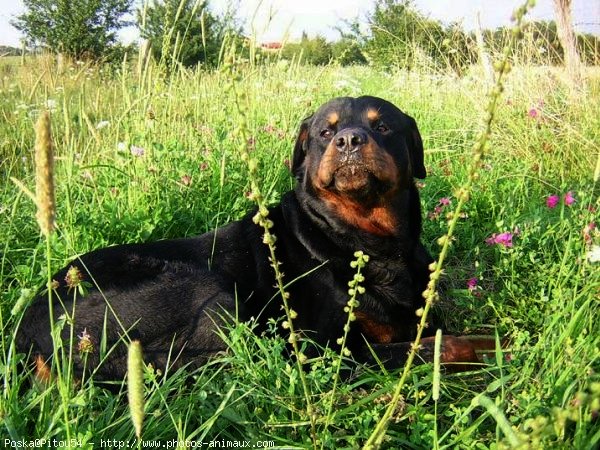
350, 140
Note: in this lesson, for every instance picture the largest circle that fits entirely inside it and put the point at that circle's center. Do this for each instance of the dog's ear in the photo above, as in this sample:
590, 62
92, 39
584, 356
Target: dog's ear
301, 147
415, 149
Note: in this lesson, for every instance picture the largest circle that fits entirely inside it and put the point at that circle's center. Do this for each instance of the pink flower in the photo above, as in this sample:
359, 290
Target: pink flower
437, 211
504, 239
269, 129
186, 180
552, 201
533, 113
137, 151
472, 284
569, 199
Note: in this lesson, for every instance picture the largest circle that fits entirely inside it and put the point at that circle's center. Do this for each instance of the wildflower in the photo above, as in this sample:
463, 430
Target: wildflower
137, 151
269, 129
121, 146
587, 232
437, 211
552, 201
340, 84
533, 113
472, 284
73, 277
299, 85
51, 104
569, 199
85, 344
504, 239
593, 255
186, 180
102, 124
204, 129
87, 175
203, 166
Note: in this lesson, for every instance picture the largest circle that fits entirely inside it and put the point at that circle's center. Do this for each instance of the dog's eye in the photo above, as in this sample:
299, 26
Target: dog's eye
326, 133
381, 127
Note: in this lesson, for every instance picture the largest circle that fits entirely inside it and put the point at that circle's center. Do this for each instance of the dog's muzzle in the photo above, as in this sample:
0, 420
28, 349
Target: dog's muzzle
349, 142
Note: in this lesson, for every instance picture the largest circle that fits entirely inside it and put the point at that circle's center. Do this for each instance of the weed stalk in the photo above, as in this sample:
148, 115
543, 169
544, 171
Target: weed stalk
355, 289
479, 150
262, 219
46, 213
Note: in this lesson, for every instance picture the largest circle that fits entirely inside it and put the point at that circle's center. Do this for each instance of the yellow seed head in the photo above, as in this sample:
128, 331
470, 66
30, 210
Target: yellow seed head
44, 175
135, 385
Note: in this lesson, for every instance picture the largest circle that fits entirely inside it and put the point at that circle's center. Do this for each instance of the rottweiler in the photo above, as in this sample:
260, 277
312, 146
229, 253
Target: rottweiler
354, 161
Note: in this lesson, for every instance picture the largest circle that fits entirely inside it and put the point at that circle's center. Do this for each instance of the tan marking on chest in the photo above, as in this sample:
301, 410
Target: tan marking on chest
378, 220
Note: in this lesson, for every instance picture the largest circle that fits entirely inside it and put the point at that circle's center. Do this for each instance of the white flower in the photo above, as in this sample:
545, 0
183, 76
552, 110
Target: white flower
102, 124
122, 146
51, 104
593, 255
300, 85
137, 151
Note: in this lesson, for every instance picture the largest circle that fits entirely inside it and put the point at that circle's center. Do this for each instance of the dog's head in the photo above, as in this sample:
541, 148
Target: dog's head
357, 155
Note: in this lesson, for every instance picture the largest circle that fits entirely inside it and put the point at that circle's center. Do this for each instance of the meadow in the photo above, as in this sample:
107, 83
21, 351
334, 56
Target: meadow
142, 156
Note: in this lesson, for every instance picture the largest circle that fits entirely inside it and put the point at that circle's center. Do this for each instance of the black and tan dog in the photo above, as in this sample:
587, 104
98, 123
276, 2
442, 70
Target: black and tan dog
355, 161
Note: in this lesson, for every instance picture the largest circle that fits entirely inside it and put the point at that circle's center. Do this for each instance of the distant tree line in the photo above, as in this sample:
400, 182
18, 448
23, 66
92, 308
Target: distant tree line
6, 50
188, 33
399, 35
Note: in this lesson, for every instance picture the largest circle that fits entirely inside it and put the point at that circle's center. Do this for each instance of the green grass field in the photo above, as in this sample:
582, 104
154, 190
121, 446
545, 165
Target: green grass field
141, 158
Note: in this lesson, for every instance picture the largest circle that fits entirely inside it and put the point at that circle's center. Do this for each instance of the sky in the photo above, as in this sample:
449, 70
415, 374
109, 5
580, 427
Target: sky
289, 18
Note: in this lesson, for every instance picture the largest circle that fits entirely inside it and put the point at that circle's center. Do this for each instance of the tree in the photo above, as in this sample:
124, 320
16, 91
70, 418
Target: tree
401, 36
316, 51
347, 51
82, 29
183, 31
564, 24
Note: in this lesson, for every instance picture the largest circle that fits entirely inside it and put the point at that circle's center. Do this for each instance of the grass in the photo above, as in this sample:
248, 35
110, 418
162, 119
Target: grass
167, 164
